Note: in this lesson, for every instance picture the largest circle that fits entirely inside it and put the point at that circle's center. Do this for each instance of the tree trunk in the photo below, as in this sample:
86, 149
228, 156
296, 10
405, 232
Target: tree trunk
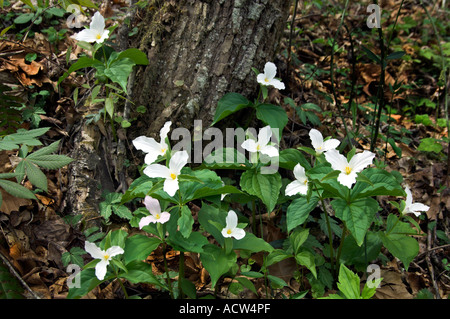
198, 50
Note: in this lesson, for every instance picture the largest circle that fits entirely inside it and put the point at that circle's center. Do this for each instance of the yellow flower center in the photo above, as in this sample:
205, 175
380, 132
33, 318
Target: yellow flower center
157, 216
258, 147
173, 176
348, 170
266, 80
163, 150
98, 36
229, 231
106, 257
306, 181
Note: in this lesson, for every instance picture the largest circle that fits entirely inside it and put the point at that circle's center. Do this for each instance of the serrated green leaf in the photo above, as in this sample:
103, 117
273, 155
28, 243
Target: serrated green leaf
16, 190
44, 150
35, 175
265, 186
138, 247
51, 161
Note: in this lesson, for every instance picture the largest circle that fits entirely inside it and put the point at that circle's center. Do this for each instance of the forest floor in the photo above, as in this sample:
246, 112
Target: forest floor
413, 136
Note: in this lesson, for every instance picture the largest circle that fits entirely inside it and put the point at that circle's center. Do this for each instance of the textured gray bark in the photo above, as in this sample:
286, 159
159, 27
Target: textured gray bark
205, 49
198, 51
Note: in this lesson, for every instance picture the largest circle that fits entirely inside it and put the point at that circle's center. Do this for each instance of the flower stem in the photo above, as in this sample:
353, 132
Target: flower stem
166, 268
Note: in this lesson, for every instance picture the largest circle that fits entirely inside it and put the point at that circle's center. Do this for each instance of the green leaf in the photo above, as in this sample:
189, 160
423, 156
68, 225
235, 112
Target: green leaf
307, 259
24, 18
349, 283
88, 281
44, 150
16, 189
395, 55
252, 244
358, 215
109, 106
229, 104
430, 144
138, 247
119, 70
298, 211
50, 161
265, 186
139, 272
273, 115
247, 284
371, 55
226, 158
83, 62
401, 246
185, 221
10, 287
383, 183
35, 175
217, 262
290, 157
297, 238
135, 55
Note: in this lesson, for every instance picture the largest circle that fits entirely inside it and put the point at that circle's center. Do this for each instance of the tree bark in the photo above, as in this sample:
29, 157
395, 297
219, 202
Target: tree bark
198, 51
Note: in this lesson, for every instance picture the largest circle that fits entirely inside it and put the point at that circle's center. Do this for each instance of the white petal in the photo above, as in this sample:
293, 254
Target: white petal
409, 198
347, 179
277, 84
152, 205
249, 145
337, 160
103, 36
165, 216
296, 187
100, 269
238, 233
171, 186
97, 23
316, 139
178, 160
157, 170
163, 133
270, 70
231, 219
264, 135
93, 250
146, 220
87, 35
299, 173
151, 157
361, 160
261, 79
146, 144
269, 150
114, 250
225, 232
330, 144
418, 207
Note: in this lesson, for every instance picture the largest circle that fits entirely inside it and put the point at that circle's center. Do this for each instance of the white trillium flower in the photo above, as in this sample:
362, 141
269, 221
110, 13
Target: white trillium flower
300, 185
96, 31
176, 163
319, 144
104, 256
261, 145
151, 147
156, 216
349, 170
268, 77
231, 229
413, 208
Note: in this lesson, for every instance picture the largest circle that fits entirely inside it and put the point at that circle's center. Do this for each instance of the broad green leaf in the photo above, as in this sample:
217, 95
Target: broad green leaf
352, 254
358, 215
119, 71
297, 238
383, 183
395, 55
307, 259
139, 272
217, 262
403, 247
265, 186
247, 284
298, 211
349, 283
395, 226
290, 157
252, 244
226, 158
212, 213
194, 243
109, 106
185, 221
138, 247
83, 62
44, 150
273, 115
229, 104
88, 281
136, 55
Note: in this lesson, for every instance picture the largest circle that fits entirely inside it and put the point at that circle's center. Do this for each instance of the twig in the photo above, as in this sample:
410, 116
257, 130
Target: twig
14, 272
430, 265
